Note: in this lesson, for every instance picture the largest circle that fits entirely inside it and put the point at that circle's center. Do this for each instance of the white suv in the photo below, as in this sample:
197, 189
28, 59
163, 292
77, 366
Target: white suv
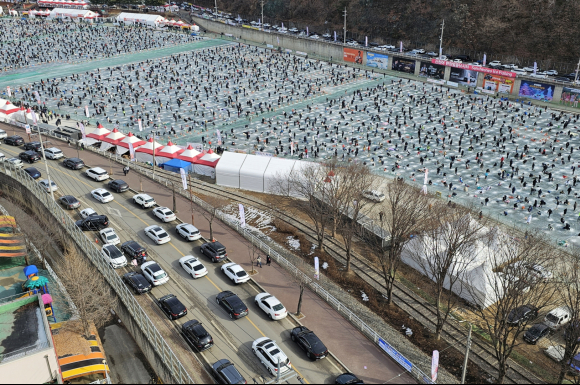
144, 200
3, 134
270, 354
97, 174
373, 195
154, 273
53, 153
114, 256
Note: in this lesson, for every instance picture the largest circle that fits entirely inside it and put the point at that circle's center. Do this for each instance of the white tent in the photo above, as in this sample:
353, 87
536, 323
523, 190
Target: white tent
145, 152
112, 139
206, 164
277, 168
142, 18
72, 14
123, 144
228, 169
22, 116
252, 172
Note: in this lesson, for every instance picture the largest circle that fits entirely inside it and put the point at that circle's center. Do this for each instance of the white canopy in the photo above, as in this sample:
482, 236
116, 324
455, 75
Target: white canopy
277, 168
112, 139
72, 14
252, 172
228, 169
143, 18
189, 154
145, 152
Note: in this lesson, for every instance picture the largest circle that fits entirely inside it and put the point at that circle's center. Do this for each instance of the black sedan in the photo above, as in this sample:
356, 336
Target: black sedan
33, 146
118, 185
226, 373
137, 282
522, 314
196, 335
172, 307
74, 163
309, 342
33, 172
14, 140
348, 378
232, 304
69, 202
29, 156
536, 333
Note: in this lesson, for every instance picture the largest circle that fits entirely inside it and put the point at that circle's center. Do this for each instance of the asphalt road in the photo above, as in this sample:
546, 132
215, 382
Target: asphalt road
233, 339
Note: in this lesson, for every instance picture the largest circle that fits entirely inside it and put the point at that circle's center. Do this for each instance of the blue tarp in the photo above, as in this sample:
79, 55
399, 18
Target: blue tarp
175, 164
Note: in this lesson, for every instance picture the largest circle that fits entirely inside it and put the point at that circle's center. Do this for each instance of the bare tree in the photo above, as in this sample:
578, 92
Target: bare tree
301, 280
216, 204
404, 212
253, 252
505, 283
445, 251
92, 299
568, 289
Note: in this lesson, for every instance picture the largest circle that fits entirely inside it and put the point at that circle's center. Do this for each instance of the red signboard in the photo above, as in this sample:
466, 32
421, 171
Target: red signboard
485, 70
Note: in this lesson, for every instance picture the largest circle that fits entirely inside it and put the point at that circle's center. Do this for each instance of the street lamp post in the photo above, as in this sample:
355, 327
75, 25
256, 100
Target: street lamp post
344, 40
441, 39
467, 348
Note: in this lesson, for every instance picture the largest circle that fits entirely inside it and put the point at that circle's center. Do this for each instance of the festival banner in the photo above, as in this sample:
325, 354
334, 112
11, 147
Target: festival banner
570, 97
132, 151
538, 91
353, 55
9, 92
431, 70
498, 83
242, 216
87, 112
140, 124
183, 178
377, 60
463, 76
404, 65
470, 67
82, 128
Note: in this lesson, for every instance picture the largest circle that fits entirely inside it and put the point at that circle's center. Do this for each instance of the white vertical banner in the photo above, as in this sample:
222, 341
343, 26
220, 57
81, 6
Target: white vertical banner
219, 137
87, 112
242, 216
307, 32
535, 67
316, 268
434, 365
183, 178
132, 151
484, 59
37, 97
82, 128
292, 148
140, 124
401, 48
425, 181
283, 26
34, 119
334, 35
9, 92
366, 41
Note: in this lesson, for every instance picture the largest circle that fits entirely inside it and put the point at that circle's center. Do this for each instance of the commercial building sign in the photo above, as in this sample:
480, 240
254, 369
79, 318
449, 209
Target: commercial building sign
570, 97
353, 55
498, 83
469, 67
539, 91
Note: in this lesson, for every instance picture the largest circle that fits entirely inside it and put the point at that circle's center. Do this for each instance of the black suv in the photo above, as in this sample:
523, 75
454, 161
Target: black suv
118, 185
309, 342
226, 373
231, 303
522, 314
34, 146
96, 222
196, 335
172, 307
138, 283
215, 250
14, 140
29, 156
133, 250
74, 163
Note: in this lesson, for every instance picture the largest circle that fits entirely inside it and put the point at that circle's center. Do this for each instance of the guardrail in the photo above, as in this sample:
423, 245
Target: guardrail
147, 327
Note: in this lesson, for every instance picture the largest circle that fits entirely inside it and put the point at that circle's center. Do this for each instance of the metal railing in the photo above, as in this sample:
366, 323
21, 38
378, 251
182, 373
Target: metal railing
33, 349
169, 359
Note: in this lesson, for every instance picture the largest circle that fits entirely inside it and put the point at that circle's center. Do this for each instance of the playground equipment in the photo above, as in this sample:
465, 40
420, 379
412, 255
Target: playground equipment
37, 284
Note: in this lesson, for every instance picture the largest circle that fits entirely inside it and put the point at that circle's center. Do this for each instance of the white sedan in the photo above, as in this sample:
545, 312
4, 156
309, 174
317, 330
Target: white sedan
88, 212
157, 234
235, 272
17, 163
271, 306
187, 231
44, 184
102, 195
114, 256
164, 214
193, 266
108, 236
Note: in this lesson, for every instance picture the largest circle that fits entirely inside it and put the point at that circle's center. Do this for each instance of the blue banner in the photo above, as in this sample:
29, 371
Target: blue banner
535, 90
377, 60
405, 363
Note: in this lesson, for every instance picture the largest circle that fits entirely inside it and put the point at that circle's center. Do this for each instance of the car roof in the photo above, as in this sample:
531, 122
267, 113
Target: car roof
98, 169
75, 159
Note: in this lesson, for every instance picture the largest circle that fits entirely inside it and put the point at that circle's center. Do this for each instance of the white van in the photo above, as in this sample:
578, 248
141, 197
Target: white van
373, 195
3, 134
558, 317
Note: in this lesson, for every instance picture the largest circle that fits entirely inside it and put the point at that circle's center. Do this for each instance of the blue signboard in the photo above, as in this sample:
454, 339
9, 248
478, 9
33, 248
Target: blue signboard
377, 60
405, 363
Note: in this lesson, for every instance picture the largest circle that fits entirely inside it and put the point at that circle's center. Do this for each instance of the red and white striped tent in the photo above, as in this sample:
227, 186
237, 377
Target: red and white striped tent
171, 151
22, 116
64, 3
97, 136
112, 139
8, 108
145, 152
205, 164
123, 144
190, 154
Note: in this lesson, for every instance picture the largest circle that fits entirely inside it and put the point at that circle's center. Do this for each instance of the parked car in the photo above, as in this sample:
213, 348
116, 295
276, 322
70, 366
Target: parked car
270, 355
536, 333
232, 304
519, 71
69, 202
102, 195
574, 363
134, 251
373, 195
17, 163
97, 174
3, 134
48, 186
137, 282
118, 185
529, 69
193, 266
53, 153
551, 72
33, 172
14, 140
494, 63
157, 234
235, 273
93, 223
309, 342
114, 256
214, 250
538, 75
85, 213
196, 335
108, 236
432, 54
522, 314
172, 307
73, 163
2, 157
32, 146
226, 373
144, 200
348, 378
154, 273
188, 232
558, 317
29, 156
164, 214
271, 306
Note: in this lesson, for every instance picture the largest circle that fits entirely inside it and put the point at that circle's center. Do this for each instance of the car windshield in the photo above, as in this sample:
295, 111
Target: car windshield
163, 235
198, 267
552, 318
278, 307
111, 237
159, 274
56, 151
241, 274
105, 194
148, 200
274, 352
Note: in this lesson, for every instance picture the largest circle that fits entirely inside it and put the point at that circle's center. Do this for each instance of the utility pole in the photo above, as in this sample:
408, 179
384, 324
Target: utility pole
467, 347
45, 163
174, 203
262, 25
441, 39
577, 70
344, 41
216, 11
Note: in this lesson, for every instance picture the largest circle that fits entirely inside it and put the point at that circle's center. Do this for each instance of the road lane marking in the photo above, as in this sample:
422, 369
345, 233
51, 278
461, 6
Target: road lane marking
257, 328
300, 374
216, 286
